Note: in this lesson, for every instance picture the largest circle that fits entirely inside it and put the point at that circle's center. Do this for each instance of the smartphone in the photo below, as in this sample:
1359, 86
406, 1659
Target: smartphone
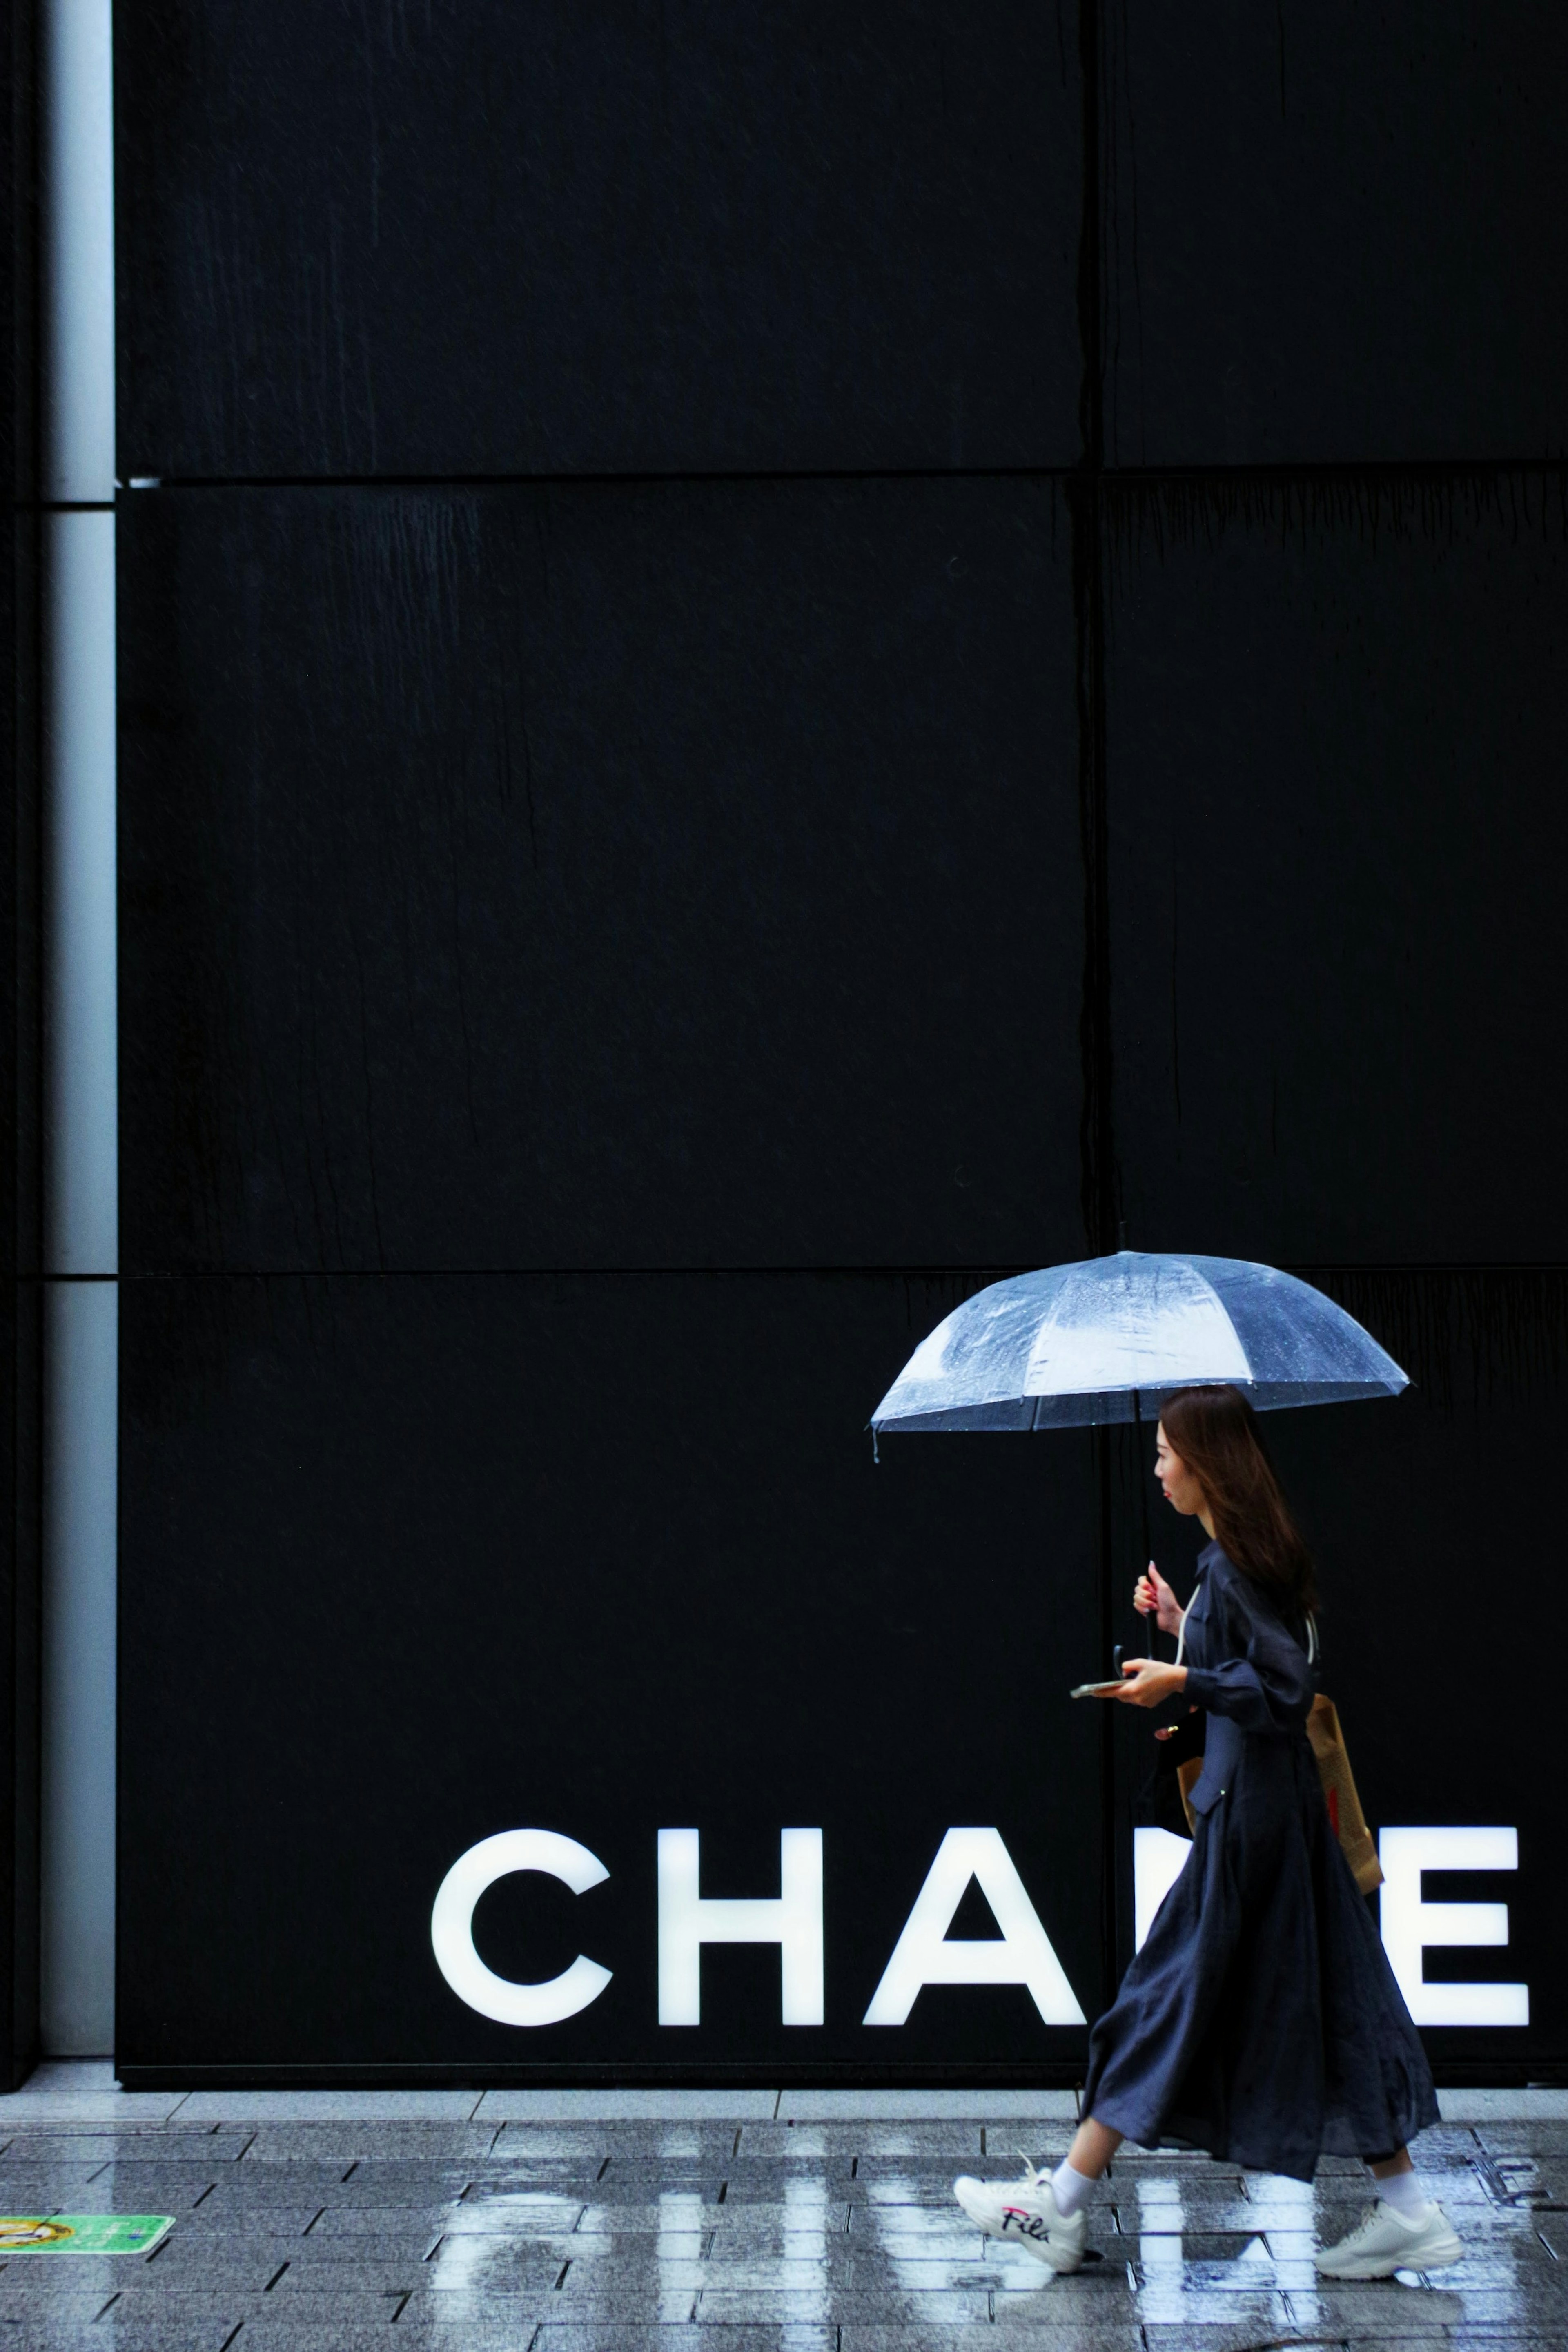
1094, 1690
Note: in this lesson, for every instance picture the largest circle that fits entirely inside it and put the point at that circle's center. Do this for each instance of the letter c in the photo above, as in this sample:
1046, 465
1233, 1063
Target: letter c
452, 1927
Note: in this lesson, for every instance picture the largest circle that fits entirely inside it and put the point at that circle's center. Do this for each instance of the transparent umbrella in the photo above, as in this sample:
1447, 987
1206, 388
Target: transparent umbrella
1103, 1340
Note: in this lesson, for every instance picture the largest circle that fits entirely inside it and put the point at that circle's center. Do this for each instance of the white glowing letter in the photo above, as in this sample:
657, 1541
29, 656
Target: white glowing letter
1409, 1925
1022, 1955
452, 1927
1159, 1857
794, 1922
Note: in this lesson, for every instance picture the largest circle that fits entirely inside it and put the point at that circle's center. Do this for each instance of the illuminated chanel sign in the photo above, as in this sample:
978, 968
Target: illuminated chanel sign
924, 1953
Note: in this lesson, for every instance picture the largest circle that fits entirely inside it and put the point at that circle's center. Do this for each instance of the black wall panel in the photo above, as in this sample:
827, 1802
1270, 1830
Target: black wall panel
409, 1562
600, 875
541, 895
1336, 730
1335, 233
530, 237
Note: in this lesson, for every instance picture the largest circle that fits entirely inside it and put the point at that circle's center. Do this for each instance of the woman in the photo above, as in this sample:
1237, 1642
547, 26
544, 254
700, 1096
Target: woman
1260, 2020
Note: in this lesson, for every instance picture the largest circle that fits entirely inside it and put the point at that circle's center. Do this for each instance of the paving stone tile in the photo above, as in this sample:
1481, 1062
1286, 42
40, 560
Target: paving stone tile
878, 2223
778, 2259
624, 2177
622, 2106
941, 2307
195, 2333
389, 2111
1265, 2309
82, 2090
71, 2297
653, 2143
95, 2126
406, 2276
348, 2142
956, 2142
633, 2220
613, 2279
1527, 2334
263, 2331
559, 2145
496, 2266
783, 2225
346, 2225
343, 2304
1188, 2335
933, 2195
483, 2313
45, 2188
1526, 2107
526, 2213
362, 2184
241, 2266
1504, 2136
841, 2137
968, 2336
504, 2335
259, 2197
1363, 2308
618, 2336
184, 2182
647, 2186
983, 2106
1140, 2218
565, 2172
1059, 2327
197, 2255
217, 2217
166, 2149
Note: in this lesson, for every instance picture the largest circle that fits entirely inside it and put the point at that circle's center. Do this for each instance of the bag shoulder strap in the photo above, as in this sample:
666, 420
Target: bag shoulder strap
1181, 1637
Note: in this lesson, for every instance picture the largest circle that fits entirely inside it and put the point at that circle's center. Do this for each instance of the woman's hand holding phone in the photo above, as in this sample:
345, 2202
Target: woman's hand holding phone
1147, 1683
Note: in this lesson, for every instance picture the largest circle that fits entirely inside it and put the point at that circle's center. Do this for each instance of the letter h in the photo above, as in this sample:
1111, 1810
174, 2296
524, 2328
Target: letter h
687, 1923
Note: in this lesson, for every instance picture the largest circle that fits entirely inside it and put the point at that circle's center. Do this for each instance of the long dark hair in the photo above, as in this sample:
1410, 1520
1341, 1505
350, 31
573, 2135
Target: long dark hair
1216, 1433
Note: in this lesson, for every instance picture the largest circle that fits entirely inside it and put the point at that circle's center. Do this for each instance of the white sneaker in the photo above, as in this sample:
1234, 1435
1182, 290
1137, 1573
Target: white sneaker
1385, 2242
1024, 2212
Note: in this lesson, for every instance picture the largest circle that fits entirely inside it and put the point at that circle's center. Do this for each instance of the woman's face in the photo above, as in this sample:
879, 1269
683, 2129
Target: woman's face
1178, 1484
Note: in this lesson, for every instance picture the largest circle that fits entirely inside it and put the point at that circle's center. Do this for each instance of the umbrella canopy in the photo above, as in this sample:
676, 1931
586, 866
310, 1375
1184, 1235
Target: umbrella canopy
1104, 1339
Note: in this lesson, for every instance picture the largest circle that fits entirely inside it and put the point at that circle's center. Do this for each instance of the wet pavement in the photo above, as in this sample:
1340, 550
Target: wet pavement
477, 2222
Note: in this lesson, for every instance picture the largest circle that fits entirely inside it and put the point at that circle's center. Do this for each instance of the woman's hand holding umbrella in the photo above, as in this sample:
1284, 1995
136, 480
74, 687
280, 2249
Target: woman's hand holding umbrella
1152, 1596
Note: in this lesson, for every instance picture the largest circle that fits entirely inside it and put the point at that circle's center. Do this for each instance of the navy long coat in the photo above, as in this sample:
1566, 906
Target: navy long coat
1261, 2020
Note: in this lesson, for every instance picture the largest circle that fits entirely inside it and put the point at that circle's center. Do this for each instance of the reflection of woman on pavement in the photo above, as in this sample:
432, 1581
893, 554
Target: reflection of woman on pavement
1260, 2020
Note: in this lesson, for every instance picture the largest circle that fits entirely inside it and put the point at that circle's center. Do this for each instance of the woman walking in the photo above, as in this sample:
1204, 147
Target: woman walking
1260, 2020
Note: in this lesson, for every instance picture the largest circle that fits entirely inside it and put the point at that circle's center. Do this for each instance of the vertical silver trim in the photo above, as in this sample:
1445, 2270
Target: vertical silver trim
81, 1093
81, 1339
81, 1175
78, 169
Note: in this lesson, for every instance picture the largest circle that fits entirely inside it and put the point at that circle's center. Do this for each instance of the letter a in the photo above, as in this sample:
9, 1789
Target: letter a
1022, 1955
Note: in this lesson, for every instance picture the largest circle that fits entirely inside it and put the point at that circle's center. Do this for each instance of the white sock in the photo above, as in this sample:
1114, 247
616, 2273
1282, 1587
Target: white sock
1070, 2189
1404, 2191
